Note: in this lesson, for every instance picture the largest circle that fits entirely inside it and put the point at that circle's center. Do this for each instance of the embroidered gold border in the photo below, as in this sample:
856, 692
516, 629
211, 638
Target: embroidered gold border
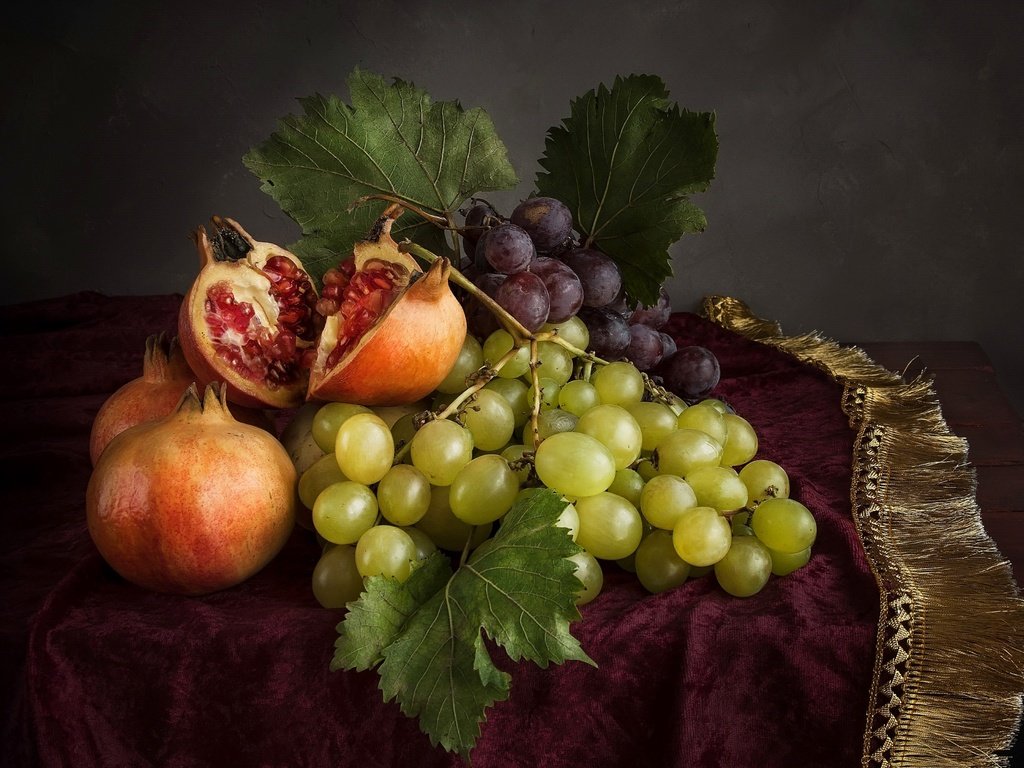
948, 682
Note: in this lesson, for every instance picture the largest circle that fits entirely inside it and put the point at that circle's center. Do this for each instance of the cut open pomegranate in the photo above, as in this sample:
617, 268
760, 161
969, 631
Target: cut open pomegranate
391, 333
249, 318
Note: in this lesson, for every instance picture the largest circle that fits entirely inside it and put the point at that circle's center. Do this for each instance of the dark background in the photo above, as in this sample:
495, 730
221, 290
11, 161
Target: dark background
868, 181
869, 177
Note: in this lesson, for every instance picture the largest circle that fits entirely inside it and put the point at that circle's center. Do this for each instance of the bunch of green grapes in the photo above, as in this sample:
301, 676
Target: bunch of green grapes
667, 490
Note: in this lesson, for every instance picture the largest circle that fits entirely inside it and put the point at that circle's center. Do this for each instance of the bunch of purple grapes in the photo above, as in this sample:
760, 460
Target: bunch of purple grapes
536, 268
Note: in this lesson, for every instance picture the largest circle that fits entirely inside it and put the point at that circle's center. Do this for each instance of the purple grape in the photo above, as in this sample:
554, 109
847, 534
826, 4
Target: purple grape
620, 305
692, 372
547, 221
479, 319
668, 345
655, 316
599, 275
645, 348
564, 288
524, 296
609, 331
507, 248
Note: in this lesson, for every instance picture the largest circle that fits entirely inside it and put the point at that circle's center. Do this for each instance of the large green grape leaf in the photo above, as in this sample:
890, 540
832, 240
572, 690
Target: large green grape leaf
625, 162
392, 140
426, 635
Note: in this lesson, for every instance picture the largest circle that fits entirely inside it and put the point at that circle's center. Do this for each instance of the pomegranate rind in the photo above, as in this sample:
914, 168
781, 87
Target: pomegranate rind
167, 520
405, 355
194, 336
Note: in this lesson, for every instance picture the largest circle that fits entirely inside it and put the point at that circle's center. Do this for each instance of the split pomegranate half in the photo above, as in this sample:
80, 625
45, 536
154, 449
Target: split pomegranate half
249, 318
391, 332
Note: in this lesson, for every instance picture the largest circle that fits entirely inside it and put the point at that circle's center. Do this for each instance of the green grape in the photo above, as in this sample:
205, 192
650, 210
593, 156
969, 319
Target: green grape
549, 422
469, 361
628, 484
364, 448
677, 404
444, 528
714, 402
570, 520
619, 383
483, 490
646, 469
616, 429
764, 480
745, 568
663, 500
327, 420
403, 430
324, 472
741, 524
718, 487
658, 565
784, 563
497, 345
549, 389
440, 448
574, 464
610, 527
589, 572
682, 451
336, 580
572, 330
489, 419
403, 495
656, 421
555, 362
425, 547
702, 536
515, 393
577, 396
513, 454
344, 511
385, 550
740, 441
705, 418
784, 525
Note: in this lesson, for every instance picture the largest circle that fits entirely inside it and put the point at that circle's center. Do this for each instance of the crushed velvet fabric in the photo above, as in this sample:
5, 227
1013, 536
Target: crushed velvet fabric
97, 672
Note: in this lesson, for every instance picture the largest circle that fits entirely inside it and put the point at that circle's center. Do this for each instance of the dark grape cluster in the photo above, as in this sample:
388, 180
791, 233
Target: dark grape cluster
538, 270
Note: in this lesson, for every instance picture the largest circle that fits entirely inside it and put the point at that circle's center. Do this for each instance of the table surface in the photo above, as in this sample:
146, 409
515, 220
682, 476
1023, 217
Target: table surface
976, 409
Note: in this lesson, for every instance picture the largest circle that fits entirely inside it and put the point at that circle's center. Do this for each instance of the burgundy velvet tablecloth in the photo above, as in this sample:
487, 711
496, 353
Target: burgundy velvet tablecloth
97, 672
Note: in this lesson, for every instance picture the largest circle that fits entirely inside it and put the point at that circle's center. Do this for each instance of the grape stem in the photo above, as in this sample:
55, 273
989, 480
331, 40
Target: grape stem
535, 409
440, 221
518, 331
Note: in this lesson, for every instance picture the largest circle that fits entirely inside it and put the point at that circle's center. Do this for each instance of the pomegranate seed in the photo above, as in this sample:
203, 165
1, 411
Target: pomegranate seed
326, 307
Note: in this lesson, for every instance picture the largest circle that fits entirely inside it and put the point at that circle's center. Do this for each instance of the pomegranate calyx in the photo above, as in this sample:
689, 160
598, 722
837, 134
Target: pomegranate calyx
163, 360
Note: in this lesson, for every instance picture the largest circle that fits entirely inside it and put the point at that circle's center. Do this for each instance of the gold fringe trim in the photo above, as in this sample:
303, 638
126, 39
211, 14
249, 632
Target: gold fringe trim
948, 682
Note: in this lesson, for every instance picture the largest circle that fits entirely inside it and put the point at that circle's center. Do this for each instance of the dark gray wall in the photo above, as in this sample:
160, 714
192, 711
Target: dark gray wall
869, 179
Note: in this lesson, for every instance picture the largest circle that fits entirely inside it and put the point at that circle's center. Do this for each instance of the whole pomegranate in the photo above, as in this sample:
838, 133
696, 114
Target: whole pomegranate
248, 318
194, 502
153, 395
391, 332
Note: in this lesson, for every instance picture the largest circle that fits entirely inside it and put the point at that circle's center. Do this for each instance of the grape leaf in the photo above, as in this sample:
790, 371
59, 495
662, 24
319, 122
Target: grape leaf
392, 140
625, 161
425, 636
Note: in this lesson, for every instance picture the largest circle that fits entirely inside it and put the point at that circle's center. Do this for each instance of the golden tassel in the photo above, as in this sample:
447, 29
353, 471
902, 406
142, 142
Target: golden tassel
948, 682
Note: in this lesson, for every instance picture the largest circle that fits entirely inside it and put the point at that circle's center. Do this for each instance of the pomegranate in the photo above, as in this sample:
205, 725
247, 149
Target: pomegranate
153, 395
194, 502
391, 332
248, 319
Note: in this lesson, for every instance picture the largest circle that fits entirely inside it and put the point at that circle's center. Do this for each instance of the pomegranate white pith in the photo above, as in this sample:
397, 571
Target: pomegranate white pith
249, 319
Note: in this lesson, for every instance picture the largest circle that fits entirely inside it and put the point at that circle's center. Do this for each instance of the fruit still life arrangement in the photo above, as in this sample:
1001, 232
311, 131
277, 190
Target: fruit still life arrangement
481, 411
